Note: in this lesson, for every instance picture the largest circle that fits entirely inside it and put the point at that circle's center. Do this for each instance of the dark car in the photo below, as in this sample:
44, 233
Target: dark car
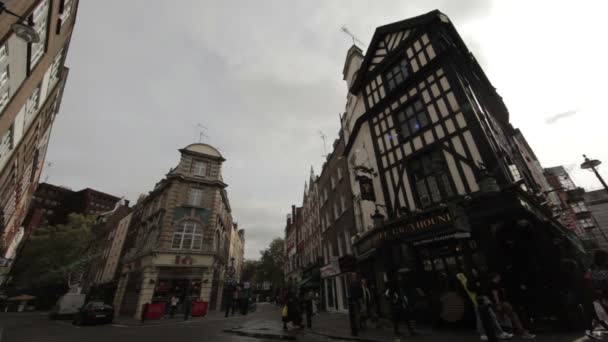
94, 312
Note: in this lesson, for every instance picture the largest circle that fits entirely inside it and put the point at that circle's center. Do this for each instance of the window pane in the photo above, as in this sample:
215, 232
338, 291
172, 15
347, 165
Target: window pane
177, 239
197, 242
423, 193
401, 116
422, 119
187, 244
414, 125
405, 131
447, 188
409, 111
418, 105
434, 189
398, 78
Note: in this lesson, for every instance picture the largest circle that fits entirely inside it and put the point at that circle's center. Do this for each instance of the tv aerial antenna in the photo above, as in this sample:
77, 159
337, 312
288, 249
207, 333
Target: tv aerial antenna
352, 36
48, 169
202, 133
324, 138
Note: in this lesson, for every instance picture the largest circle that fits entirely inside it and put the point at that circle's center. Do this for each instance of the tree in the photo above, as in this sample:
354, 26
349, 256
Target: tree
249, 272
271, 263
53, 254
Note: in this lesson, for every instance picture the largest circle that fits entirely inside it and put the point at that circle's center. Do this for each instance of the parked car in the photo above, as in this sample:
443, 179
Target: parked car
67, 306
94, 312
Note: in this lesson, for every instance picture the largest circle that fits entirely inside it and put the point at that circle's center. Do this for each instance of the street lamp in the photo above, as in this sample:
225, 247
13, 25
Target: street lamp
377, 217
22, 30
592, 164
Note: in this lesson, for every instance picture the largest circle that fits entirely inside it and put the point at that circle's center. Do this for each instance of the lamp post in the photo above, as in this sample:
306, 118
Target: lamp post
377, 217
22, 29
592, 164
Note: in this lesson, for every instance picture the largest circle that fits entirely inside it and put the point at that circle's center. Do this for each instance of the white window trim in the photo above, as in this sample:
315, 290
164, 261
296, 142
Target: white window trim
200, 168
185, 229
67, 11
195, 197
4, 100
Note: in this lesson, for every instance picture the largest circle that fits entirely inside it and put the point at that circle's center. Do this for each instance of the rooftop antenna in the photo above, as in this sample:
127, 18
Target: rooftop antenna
324, 137
202, 133
48, 167
352, 36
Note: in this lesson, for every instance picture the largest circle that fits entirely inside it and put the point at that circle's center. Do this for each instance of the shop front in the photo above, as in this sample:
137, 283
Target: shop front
335, 286
422, 253
155, 279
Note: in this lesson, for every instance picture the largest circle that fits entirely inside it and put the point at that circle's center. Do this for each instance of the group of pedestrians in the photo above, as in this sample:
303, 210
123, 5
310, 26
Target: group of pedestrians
296, 303
236, 298
493, 308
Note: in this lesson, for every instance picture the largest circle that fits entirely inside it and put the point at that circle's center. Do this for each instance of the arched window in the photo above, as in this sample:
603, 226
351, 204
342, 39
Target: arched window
188, 235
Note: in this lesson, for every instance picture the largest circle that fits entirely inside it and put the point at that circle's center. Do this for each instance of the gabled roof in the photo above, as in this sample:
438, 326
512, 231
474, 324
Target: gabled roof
379, 45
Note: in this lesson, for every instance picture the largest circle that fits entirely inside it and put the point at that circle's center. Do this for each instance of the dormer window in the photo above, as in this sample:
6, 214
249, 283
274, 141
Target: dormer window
200, 168
396, 75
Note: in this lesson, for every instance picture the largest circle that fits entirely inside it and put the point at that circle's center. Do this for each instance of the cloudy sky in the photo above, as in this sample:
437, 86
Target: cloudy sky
266, 76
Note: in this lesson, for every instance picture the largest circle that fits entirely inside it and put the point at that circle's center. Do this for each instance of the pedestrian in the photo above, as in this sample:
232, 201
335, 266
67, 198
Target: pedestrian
291, 310
487, 323
397, 308
596, 282
236, 295
144, 312
174, 302
188, 308
245, 301
354, 303
366, 301
308, 299
228, 300
505, 309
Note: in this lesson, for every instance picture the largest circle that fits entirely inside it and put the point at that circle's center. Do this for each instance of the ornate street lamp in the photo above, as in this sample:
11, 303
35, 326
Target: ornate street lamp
592, 164
377, 218
22, 30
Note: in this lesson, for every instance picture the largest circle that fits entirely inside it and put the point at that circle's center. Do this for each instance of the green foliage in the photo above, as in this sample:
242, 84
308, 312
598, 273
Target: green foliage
52, 253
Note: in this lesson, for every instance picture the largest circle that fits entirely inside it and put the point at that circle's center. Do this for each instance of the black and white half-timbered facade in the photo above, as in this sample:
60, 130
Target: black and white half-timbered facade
450, 182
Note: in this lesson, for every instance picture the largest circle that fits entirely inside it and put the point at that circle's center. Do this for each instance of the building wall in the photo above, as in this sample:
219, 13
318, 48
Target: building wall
597, 202
189, 194
117, 237
26, 121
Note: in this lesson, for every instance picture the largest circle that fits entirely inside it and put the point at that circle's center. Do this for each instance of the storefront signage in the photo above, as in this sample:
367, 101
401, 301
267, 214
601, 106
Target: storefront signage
332, 269
183, 260
420, 225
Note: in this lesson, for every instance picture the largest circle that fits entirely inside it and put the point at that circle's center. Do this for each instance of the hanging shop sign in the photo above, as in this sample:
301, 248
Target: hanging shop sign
367, 188
331, 269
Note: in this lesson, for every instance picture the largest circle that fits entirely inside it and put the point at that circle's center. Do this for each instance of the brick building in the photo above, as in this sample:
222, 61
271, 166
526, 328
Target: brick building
32, 79
337, 216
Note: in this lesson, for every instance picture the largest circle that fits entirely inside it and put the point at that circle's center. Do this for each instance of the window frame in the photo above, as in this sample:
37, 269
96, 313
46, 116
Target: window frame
195, 233
414, 113
191, 197
394, 70
205, 169
443, 183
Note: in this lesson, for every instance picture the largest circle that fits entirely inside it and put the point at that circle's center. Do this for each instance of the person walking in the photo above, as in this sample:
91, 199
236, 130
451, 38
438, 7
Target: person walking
308, 309
397, 309
228, 297
505, 308
293, 313
174, 302
188, 308
366, 301
487, 324
144, 312
596, 282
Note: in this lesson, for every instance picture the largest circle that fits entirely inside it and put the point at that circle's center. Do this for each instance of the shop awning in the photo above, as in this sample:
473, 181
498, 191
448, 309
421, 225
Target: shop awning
309, 282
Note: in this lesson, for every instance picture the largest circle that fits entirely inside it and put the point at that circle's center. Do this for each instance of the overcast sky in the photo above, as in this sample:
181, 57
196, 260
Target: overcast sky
266, 76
